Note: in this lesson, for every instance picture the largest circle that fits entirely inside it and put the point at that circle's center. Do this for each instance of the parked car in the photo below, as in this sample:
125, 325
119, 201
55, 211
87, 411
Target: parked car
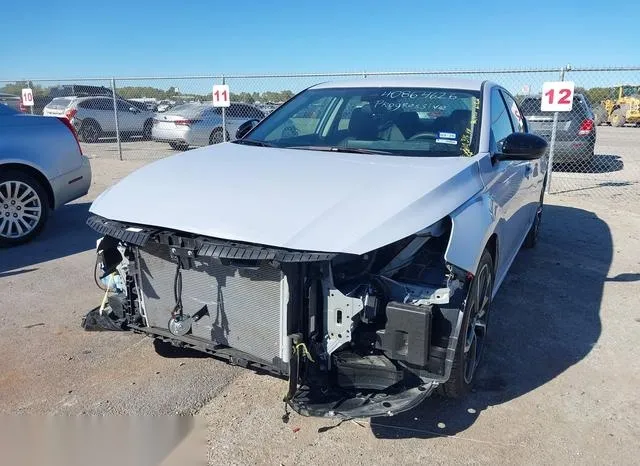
196, 124
344, 242
10, 100
164, 105
575, 133
67, 90
41, 168
93, 117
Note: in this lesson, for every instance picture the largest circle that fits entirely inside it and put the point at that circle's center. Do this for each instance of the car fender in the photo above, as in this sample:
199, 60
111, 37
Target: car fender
472, 225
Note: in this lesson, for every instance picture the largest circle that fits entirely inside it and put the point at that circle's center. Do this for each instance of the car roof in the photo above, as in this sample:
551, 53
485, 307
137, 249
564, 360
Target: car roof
438, 83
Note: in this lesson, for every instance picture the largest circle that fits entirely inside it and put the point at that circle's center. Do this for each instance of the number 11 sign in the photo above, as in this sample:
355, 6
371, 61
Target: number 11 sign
221, 97
557, 96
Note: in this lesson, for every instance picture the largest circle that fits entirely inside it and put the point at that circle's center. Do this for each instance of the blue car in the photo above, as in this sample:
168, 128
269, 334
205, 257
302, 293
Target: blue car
352, 241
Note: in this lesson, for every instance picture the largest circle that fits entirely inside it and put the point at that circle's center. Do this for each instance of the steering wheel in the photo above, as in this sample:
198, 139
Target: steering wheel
426, 135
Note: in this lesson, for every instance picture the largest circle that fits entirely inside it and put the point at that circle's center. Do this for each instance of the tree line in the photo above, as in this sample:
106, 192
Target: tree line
172, 93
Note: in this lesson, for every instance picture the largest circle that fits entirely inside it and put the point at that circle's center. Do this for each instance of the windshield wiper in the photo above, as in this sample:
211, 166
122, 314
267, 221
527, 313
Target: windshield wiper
348, 150
253, 142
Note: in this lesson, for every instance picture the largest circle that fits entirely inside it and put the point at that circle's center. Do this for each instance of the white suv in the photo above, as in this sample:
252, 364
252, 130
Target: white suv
93, 117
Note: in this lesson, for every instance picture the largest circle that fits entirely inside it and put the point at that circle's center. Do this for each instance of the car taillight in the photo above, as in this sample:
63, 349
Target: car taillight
585, 127
70, 113
185, 122
67, 123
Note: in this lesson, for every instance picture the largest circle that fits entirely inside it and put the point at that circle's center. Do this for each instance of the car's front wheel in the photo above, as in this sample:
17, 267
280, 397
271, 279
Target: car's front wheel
473, 332
23, 208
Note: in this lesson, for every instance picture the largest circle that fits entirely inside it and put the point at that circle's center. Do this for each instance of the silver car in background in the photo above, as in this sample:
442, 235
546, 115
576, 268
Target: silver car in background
41, 168
93, 117
196, 124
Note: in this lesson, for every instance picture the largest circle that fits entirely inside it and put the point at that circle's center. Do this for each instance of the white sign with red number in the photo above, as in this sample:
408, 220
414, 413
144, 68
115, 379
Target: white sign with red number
27, 97
557, 96
221, 95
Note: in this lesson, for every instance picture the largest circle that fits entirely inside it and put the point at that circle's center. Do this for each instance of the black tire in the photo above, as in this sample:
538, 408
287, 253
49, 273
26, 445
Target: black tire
532, 236
216, 136
179, 145
90, 131
146, 129
473, 333
18, 204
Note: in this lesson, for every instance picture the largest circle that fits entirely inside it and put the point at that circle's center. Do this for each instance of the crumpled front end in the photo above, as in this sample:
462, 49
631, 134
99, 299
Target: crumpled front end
356, 335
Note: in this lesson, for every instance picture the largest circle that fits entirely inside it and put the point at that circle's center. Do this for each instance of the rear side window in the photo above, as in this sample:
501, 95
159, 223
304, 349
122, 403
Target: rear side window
530, 106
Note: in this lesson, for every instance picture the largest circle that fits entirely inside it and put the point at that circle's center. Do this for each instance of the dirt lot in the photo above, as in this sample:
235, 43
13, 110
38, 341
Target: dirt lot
559, 382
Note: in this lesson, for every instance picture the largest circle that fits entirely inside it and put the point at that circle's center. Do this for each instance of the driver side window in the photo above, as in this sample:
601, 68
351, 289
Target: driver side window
500, 122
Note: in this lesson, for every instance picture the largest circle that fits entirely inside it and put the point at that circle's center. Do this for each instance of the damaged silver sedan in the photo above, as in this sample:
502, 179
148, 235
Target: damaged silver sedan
351, 242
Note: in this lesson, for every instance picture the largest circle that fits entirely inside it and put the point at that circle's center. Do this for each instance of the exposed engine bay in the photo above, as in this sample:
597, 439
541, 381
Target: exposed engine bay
356, 335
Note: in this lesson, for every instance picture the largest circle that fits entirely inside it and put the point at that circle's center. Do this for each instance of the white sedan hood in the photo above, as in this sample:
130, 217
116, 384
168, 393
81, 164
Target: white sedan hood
296, 199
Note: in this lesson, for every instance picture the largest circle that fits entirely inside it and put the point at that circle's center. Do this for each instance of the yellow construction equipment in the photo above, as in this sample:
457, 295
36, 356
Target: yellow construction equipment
625, 109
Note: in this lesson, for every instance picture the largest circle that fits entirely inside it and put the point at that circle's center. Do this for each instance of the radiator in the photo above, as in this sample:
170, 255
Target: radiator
245, 307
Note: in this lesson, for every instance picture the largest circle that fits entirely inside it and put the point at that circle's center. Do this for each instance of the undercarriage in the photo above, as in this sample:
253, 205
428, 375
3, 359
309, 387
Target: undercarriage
355, 335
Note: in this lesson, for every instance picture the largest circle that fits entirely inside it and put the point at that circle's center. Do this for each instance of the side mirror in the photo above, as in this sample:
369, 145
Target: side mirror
134, 109
246, 127
522, 146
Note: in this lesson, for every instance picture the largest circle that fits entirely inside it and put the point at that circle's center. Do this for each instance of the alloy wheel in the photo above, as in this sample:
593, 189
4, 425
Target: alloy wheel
476, 332
20, 209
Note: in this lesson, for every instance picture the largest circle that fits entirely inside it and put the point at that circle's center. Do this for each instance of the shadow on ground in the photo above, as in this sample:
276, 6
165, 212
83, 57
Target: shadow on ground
65, 233
601, 163
545, 319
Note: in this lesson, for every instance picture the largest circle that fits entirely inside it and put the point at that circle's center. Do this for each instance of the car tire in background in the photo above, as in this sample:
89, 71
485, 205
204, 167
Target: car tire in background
473, 332
179, 145
90, 131
216, 136
146, 130
618, 118
24, 200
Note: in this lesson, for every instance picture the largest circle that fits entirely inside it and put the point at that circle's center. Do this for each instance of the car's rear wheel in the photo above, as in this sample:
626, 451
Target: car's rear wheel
179, 145
473, 333
216, 136
531, 239
23, 208
90, 131
146, 130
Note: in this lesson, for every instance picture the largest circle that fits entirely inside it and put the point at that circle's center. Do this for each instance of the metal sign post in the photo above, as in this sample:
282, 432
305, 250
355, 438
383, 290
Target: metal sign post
222, 98
556, 97
115, 113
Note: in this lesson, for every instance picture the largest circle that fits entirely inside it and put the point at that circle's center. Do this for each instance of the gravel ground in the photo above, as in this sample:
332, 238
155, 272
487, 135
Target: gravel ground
559, 383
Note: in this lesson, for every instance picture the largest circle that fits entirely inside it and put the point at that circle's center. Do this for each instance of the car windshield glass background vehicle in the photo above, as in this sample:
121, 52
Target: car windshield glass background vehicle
397, 121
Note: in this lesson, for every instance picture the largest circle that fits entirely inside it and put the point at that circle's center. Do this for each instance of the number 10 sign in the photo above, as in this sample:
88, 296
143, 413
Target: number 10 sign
557, 96
221, 97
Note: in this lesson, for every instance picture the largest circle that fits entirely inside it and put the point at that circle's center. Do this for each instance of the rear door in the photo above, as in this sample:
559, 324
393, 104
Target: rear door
101, 110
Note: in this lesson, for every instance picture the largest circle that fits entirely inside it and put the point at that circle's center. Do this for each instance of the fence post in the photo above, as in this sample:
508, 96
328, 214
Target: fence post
115, 114
224, 118
554, 130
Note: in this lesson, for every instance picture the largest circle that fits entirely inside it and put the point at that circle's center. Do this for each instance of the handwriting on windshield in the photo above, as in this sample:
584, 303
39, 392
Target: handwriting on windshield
400, 94
392, 106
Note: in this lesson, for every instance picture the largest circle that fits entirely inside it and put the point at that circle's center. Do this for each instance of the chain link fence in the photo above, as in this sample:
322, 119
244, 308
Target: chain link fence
596, 151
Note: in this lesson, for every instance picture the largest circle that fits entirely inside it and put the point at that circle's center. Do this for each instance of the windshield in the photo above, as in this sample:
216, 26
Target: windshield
426, 122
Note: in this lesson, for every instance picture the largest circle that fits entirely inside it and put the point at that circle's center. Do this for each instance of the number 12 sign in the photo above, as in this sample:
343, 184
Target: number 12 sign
557, 96
221, 96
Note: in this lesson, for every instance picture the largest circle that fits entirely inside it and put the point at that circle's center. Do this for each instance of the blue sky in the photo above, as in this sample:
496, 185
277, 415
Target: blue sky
116, 38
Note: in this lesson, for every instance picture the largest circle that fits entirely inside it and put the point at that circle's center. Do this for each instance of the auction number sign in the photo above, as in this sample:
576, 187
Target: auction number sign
221, 95
557, 96
27, 97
